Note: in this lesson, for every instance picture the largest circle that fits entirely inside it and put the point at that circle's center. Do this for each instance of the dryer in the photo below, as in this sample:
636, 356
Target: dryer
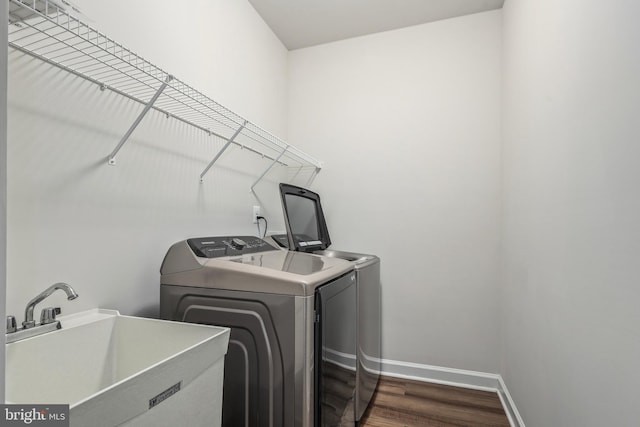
307, 231
289, 313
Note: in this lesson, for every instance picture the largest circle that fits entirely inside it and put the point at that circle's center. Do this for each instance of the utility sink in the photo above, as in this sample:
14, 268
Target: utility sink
119, 370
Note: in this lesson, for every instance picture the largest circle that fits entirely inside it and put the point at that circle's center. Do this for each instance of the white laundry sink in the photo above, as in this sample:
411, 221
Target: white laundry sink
121, 370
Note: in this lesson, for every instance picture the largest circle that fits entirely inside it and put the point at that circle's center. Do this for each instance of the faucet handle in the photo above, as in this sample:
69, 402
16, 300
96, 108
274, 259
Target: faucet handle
11, 324
48, 315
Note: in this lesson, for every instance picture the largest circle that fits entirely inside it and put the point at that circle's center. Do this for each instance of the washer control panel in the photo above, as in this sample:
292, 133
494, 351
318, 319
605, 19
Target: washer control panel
215, 247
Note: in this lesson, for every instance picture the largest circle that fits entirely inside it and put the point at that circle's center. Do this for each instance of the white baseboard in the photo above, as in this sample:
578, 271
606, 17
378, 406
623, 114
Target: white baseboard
455, 377
509, 405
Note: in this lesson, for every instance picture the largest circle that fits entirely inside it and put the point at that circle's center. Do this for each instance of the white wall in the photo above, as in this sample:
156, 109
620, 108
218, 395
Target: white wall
105, 229
571, 341
408, 124
3, 179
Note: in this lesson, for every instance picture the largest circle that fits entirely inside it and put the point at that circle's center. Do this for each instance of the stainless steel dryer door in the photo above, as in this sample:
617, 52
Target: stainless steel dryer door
335, 359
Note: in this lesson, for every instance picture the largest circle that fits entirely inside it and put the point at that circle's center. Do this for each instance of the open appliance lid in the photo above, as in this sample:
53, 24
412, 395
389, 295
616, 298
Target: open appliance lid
303, 217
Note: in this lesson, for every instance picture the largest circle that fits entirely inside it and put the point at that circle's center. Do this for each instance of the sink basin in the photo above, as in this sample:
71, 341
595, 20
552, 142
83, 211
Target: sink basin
121, 370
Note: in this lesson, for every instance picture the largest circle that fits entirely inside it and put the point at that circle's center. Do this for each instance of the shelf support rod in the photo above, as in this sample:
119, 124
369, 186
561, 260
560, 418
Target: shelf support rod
147, 107
222, 150
315, 173
269, 168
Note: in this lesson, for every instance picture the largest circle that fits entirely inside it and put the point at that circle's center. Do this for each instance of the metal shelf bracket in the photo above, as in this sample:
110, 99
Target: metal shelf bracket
276, 160
147, 107
222, 150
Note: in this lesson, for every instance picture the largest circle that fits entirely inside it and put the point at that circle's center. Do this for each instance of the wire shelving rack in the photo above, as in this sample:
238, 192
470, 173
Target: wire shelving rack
53, 33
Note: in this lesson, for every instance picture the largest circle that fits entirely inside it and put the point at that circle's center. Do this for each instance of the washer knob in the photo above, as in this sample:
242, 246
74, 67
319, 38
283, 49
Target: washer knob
238, 243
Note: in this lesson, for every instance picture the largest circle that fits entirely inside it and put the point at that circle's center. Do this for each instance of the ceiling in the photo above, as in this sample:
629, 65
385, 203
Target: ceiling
304, 23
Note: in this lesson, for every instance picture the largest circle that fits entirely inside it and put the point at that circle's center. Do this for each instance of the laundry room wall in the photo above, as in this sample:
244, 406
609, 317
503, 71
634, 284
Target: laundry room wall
105, 229
408, 124
571, 341
3, 176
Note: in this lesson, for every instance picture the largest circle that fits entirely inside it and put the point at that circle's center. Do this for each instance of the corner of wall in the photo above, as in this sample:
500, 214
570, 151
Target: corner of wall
457, 378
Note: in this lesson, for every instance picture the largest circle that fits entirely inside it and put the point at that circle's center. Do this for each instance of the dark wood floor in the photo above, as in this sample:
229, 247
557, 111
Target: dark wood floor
399, 402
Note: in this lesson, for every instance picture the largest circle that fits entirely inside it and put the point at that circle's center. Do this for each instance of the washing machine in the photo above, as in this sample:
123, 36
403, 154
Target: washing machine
291, 357
307, 232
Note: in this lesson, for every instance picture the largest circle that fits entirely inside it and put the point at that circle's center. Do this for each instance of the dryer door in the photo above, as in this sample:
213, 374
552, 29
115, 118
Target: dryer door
335, 358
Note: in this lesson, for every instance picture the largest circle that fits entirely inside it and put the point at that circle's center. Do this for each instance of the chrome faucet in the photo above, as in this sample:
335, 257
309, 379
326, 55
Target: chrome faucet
28, 312
48, 322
